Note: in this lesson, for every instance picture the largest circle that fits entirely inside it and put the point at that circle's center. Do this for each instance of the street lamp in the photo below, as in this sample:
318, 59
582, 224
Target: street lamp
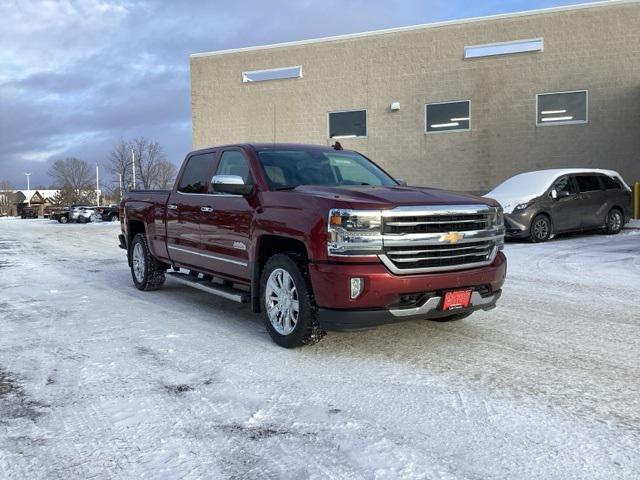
28, 189
133, 162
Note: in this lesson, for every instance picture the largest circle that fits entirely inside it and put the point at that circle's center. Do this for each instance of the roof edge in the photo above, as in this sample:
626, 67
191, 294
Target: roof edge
348, 36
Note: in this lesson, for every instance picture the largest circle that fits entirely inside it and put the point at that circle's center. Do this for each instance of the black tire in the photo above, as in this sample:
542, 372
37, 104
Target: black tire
452, 318
307, 329
63, 219
113, 218
615, 222
149, 274
540, 230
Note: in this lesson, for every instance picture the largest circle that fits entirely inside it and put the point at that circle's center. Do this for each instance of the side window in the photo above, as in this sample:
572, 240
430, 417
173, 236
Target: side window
588, 183
610, 183
564, 184
194, 178
233, 162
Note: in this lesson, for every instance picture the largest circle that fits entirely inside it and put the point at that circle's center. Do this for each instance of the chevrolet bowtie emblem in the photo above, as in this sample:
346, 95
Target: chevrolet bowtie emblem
451, 237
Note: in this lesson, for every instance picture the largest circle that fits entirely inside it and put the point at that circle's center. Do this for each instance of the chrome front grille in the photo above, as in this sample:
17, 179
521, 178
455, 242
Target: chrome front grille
440, 238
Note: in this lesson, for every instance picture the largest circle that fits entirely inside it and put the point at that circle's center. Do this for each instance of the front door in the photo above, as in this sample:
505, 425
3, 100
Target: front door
226, 224
565, 210
184, 209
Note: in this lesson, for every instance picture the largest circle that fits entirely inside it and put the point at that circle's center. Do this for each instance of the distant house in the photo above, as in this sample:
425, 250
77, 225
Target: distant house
12, 202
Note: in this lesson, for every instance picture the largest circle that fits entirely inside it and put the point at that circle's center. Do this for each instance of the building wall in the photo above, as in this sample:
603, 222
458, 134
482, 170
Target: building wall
597, 49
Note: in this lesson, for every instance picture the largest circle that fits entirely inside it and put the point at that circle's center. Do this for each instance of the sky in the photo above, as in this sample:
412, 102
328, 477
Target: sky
78, 76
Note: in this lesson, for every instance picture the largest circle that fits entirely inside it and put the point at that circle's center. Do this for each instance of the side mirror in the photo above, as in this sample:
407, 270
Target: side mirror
554, 194
402, 182
557, 195
231, 184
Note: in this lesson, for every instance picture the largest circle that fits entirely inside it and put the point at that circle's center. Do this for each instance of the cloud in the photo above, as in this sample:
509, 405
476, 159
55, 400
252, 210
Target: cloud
76, 76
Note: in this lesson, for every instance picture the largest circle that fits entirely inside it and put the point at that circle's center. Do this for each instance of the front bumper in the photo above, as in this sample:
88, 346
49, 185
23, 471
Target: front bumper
430, 309
517, 224
385, 293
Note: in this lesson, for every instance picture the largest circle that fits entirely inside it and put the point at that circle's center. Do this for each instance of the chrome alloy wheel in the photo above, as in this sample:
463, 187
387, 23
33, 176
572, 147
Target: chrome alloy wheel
138, 261
541, 229
281, 301
615, 221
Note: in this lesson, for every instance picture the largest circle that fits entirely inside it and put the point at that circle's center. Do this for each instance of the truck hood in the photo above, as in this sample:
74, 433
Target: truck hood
384, 197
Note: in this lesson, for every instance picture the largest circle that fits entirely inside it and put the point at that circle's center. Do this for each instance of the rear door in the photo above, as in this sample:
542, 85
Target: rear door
183, 209
565, 210
592, 200
226, 221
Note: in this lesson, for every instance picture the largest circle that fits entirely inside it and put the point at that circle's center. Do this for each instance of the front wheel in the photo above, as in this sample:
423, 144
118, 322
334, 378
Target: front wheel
147, 272
63, 219
540, 229
614, 222
288, 312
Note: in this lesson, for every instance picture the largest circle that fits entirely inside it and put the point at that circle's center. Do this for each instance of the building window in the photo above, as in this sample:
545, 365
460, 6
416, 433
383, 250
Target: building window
348, 124
504, 48
272, 74
448, 116
562, 108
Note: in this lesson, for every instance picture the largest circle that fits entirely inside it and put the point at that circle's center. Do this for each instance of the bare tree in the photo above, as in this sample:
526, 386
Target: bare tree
7, 197
153, 170
165, 175
74, 178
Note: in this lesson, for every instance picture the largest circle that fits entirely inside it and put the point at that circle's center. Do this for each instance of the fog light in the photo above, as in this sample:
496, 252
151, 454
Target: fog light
357, 285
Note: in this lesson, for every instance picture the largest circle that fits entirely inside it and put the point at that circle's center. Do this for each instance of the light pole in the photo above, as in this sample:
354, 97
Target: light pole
97, 186
28, 189
133, 162
120, 175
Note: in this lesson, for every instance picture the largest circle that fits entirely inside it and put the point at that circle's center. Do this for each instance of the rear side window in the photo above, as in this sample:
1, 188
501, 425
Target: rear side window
588, 183
610, 183
194, 178
233, 162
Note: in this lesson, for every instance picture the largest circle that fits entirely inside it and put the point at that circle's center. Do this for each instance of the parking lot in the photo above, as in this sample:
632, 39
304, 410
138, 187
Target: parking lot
100, 380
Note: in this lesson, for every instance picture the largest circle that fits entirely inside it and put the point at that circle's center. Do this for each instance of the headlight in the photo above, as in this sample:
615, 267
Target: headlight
354, 232
521, 206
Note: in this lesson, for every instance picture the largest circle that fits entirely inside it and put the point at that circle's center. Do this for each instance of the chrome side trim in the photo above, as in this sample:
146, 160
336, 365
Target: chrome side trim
213, 257
434, 302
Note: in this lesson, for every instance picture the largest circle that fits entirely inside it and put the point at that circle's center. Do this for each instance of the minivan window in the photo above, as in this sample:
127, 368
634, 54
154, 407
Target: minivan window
610, 183
588, 183
564, 184
194, 176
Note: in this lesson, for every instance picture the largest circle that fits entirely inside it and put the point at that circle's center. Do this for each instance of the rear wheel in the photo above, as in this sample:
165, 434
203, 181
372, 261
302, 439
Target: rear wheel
287, 308
540, 230
615, 222
147, 272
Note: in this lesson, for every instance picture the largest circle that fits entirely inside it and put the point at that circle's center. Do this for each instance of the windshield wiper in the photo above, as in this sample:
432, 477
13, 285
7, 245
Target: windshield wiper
281, 188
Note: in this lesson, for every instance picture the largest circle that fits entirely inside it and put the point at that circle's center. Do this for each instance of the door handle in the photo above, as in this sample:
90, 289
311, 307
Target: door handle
172, 207
206, 209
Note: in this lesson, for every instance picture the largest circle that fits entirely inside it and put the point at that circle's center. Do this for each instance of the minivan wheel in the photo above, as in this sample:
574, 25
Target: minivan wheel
147, 272
540, 230
614, 222
287, 308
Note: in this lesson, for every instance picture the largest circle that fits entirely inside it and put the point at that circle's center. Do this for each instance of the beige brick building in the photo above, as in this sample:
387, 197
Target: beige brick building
498, 124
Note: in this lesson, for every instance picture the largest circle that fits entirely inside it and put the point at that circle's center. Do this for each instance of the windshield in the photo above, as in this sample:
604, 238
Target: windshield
289, 168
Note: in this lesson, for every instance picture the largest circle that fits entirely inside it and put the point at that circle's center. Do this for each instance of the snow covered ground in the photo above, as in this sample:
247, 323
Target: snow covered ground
99, 380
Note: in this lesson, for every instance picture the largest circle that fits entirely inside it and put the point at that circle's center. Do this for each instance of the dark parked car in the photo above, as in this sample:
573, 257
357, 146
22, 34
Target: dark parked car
29, 212
110, 213
61, 215
538, 205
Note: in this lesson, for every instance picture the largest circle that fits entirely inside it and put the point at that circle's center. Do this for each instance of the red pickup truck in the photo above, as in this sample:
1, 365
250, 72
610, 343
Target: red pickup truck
316, 238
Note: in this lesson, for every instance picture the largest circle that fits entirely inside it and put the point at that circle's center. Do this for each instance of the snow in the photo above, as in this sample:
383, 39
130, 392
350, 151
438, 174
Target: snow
526, 186
99, 380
